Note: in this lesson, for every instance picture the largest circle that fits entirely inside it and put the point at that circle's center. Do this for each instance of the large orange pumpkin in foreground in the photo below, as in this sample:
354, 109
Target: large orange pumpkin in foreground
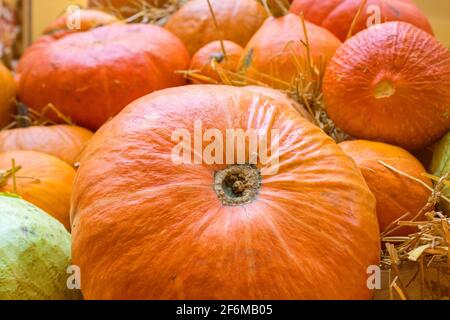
338, 15
91, 76
7, 95
228, 60
43, 180
62, 141
237, 20
390, 83
396, 194
148, 226
277, 52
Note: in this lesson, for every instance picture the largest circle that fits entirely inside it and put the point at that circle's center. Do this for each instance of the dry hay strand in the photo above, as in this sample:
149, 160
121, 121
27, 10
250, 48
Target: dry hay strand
424, 255
140, 11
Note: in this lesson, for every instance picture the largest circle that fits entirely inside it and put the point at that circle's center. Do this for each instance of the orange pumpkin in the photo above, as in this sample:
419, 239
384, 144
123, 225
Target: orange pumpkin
43, 180
148, 227
7, 94
62, 141
396, 194
237, 20
282, 98
87, 19
338, 15
390, 83
91, 76
125, 8
277, 49
203, 59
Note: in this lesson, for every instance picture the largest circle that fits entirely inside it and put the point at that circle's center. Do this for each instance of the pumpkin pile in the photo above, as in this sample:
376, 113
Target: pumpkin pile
179, 142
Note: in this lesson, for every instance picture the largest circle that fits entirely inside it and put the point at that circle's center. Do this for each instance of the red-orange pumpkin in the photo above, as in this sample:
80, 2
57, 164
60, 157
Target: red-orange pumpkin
62, 141
91, 76
203, 59
390, 83
396, 194
43, 180
237, 20
276, 53
87, 19
145, 227
125, 8
7, 95
338, 15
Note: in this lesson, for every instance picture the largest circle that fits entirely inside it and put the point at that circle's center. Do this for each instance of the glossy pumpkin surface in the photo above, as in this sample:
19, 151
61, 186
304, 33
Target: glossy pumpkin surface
161, 231
91, 76
390, 83
396, 194
62, 141
338, 15
43, 180
203, 59
277, 53
237, 20
7, 95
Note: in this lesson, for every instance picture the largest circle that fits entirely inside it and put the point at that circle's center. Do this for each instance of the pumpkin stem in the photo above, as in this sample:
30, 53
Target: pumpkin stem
384, 89
238, 184
23, 118
276, 8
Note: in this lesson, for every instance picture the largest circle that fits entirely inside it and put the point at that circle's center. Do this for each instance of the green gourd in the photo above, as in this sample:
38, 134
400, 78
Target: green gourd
440, 164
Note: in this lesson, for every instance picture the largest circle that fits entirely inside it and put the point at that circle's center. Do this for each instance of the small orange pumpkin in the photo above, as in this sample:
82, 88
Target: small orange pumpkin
237, 20
41, 179
390, 83
274, 53
396, 194
203, 59
7, 95
62, 141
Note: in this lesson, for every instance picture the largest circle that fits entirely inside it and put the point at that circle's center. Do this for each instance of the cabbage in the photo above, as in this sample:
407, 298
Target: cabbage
34, 253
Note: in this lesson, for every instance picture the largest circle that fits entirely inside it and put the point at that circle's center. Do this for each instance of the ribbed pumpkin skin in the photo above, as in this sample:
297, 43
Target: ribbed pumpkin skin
44, 180
390, 83
395, 194
160, 231
278, 43
7, 94
338, 15
88, 18
91, 76
202, 59
62, 141
238, 20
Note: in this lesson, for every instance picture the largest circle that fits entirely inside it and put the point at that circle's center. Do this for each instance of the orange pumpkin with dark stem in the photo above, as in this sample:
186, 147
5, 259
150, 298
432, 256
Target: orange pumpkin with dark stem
338, 15
277, 50
126, 8
166, 229
203, 59
91, 76
87, 19
390, 83
396, 194
7, 95
237, 20
41, 179
62, 141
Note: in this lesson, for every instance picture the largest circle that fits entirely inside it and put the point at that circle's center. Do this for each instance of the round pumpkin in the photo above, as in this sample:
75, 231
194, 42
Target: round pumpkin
276, 53
338, 15
237, 20
41, 179
62, 141
390, 83
7, 95
91, 76
282, 98
440, 164
126, 8
87, 19
146, 226
34, 253
396, 194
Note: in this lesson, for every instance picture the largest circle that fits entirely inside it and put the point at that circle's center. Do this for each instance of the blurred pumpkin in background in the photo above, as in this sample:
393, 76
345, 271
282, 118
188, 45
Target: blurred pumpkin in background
125, 8
338, 15
7, 96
